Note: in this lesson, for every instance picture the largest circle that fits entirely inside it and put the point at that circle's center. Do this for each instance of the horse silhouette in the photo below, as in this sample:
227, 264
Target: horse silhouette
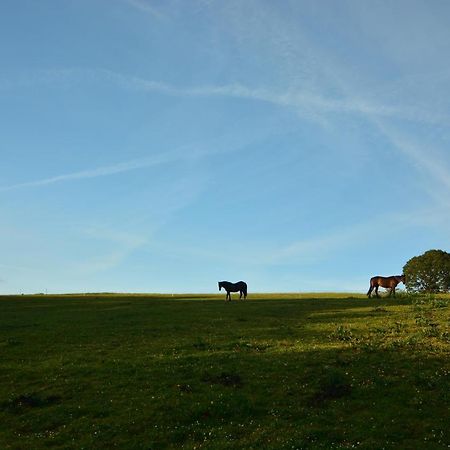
240, 286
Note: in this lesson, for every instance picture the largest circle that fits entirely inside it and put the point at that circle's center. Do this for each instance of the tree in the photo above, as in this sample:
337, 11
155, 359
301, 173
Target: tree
429, 272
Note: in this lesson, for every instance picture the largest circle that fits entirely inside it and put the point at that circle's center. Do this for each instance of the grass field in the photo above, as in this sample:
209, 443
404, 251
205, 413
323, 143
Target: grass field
280, 371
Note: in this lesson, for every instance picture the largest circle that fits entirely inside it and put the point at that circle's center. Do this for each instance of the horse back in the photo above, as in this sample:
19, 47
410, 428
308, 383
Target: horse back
374, 281
384, 281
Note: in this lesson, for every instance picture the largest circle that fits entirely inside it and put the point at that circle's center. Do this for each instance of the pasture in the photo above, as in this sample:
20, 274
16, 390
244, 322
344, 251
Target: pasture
280, 371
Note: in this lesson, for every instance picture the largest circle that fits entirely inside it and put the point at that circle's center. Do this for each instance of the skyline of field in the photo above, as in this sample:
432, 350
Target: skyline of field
165, 146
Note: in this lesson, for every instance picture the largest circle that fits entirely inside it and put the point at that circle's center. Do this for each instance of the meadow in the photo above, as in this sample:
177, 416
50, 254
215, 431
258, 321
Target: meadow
281, 371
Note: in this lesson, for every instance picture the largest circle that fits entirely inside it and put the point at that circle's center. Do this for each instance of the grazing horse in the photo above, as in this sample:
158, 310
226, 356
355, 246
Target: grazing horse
240, 286
386, 282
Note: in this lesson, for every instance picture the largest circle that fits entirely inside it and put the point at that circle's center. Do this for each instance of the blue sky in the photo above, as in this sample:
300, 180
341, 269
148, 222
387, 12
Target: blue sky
162, 146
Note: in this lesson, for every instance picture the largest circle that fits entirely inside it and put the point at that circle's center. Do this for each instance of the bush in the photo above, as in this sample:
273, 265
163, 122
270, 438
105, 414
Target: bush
429, 272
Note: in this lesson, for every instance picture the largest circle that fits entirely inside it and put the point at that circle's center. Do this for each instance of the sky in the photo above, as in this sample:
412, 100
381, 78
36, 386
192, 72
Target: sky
163, 146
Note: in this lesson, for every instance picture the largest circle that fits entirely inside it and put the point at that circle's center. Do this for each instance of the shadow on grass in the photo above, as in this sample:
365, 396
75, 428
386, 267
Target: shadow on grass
163, 374
19, 403
318, 398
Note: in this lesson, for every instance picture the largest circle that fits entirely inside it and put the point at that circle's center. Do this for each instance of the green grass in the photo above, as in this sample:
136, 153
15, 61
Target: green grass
278, 371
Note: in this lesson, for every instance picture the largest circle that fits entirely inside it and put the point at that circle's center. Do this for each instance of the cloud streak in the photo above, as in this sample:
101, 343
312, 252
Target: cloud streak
183, 153
299, 99
433, 166
314, 249
305, 101
145, 7
124, 244
97, 172
224, 144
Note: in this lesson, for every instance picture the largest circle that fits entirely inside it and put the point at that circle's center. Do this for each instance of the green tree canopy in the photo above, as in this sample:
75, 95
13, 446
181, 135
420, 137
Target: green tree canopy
429, 272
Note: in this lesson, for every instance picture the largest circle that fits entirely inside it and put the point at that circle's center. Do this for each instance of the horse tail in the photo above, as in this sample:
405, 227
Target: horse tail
372, 283
244, 290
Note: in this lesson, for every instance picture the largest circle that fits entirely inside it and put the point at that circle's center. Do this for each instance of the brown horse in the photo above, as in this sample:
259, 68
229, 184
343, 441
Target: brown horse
386, 282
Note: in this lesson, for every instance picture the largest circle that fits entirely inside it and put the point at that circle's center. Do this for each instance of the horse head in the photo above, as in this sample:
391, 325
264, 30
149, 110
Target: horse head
220, 285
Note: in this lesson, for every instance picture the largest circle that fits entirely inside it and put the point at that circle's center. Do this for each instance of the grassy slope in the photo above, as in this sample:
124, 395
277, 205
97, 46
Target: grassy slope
277, 371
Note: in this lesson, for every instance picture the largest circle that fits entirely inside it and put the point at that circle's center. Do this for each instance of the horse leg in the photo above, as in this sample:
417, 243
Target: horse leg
393, 291
240, 295
376, 291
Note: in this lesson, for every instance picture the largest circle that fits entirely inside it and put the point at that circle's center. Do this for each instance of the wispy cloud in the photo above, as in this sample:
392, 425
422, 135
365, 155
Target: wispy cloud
308, 102
13, 267
126, 239
182, 153
311, 250
303, 100
431, 164
320, 247
146, 7
98, 172
123, 245
223, 144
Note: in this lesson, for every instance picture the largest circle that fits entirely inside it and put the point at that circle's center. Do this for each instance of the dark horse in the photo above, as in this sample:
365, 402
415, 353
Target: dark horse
386, 282
240, 286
